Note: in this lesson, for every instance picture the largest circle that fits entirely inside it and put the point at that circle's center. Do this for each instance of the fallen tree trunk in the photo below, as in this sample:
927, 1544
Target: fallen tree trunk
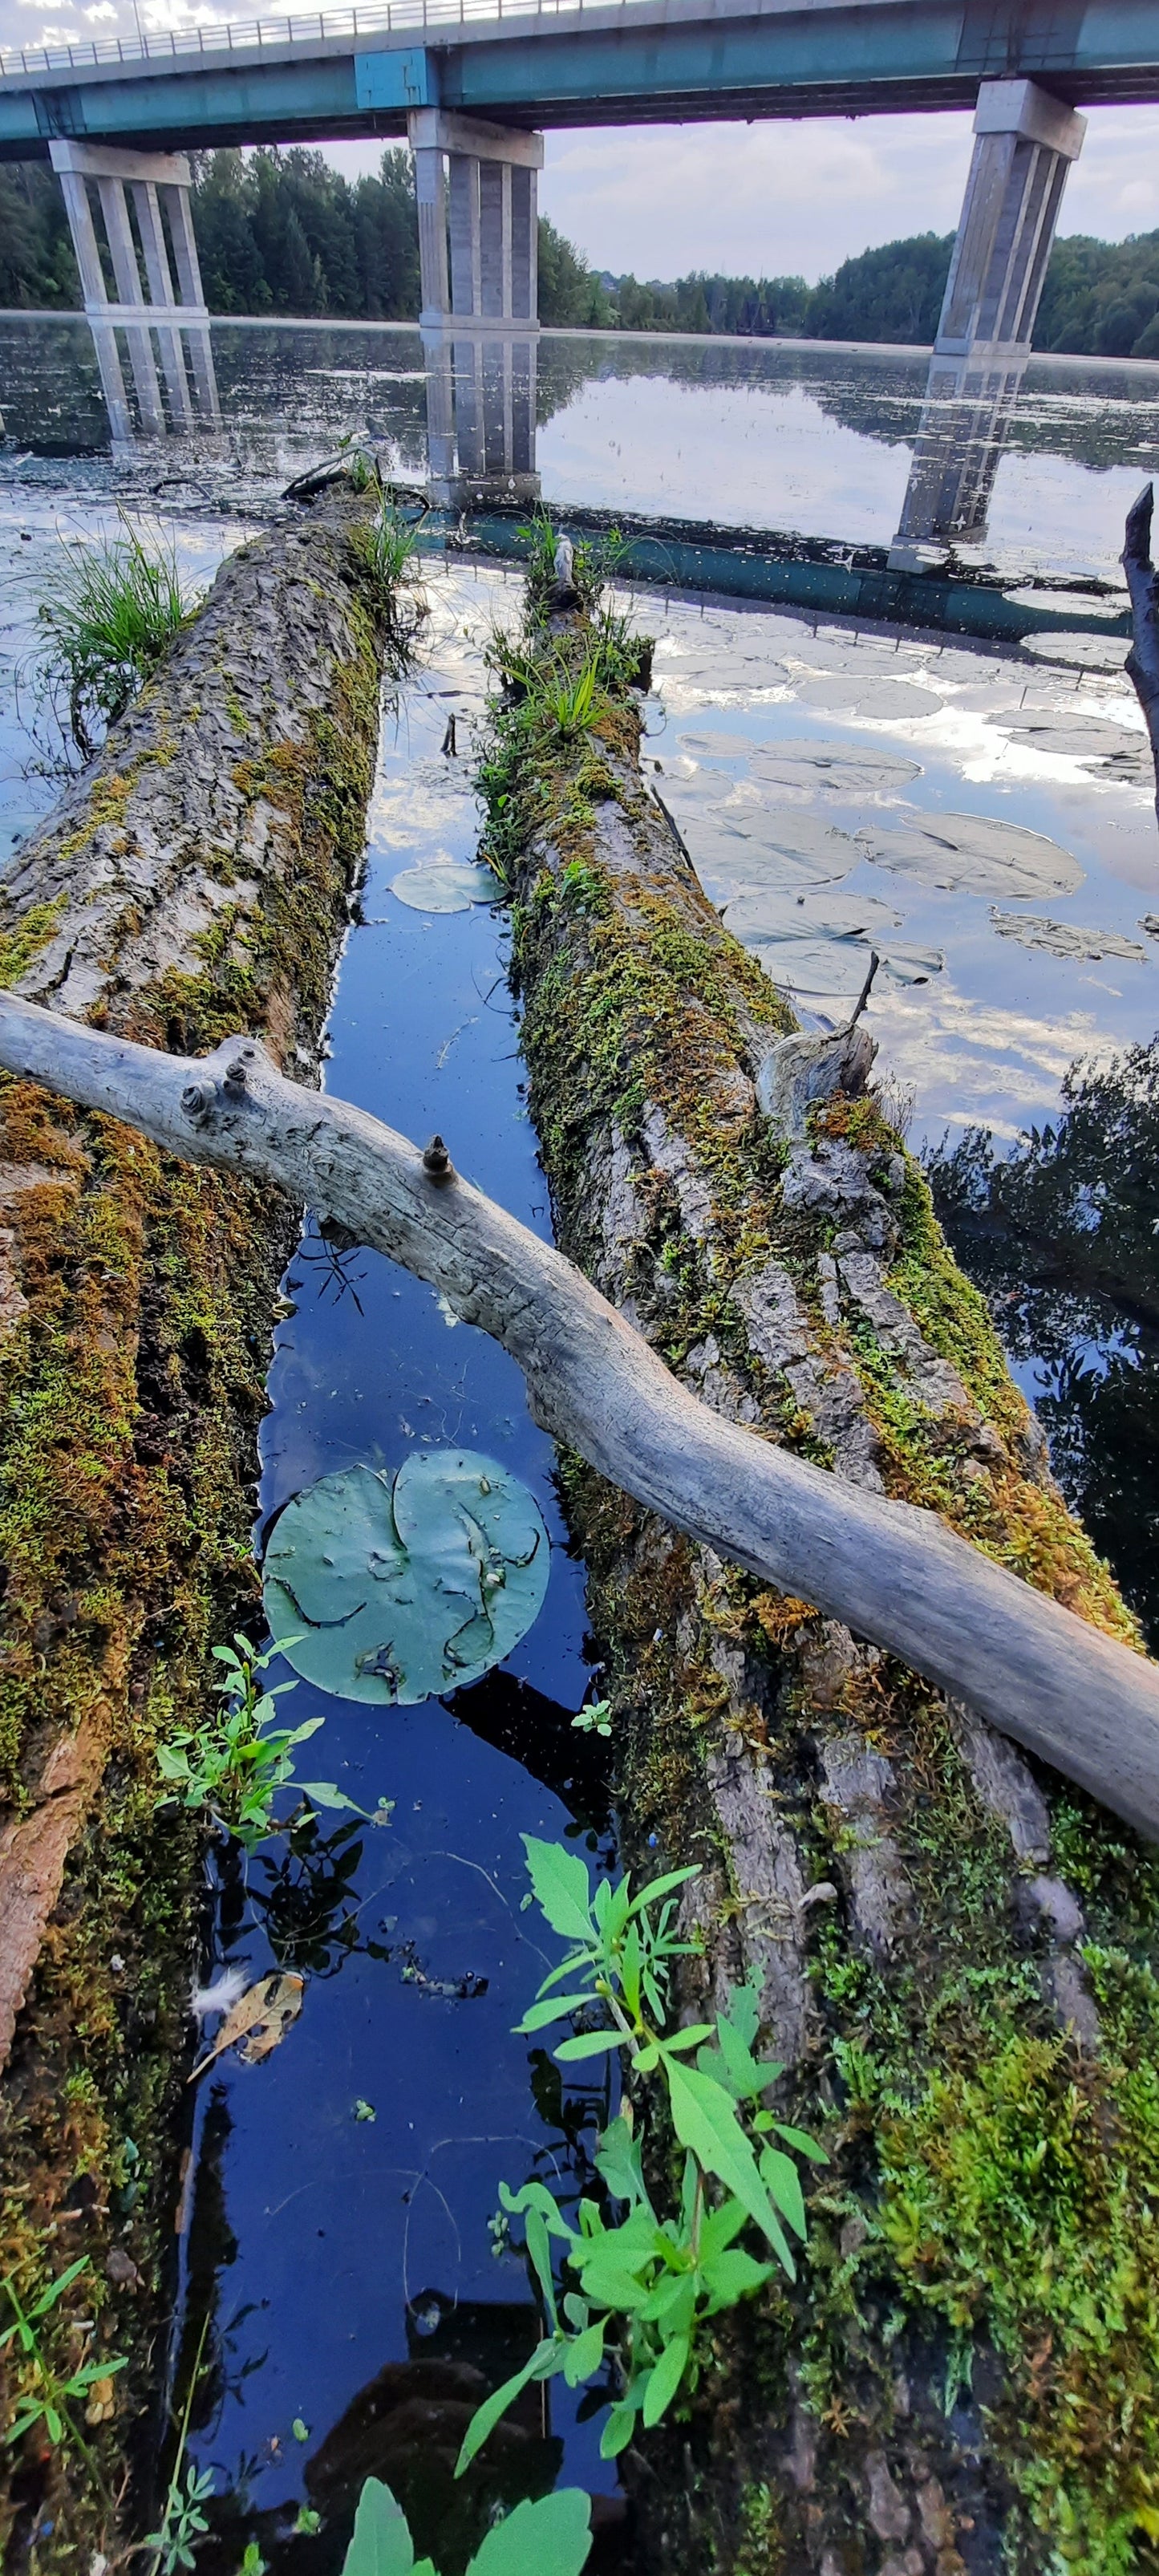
196, 877
1142, 663
957, 1954
1076, 1696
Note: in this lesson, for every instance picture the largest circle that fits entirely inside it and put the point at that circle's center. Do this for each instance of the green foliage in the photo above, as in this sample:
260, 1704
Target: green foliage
395, 1593
647, 2286
282, 232
569, 293
392, 547
110, 612
595, 1719
231, 1769
37, 266
547, 2538
1059, 1232
183, 2524
893, 293
46, 2397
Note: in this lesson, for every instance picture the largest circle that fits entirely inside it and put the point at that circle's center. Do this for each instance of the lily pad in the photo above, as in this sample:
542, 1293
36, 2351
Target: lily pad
1077, 737
1065, 938
451, 886
781, 912
837, 968
398, 1593
974, 852
1079, 652
873, 700
843, 766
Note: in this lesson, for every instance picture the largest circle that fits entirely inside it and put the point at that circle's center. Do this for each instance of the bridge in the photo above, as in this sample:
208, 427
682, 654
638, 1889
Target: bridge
473, 83
546, 63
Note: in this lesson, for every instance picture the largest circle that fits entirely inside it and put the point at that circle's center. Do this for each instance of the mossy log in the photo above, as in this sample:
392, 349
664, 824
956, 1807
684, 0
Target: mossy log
957, 1952
195, 878
1143, 586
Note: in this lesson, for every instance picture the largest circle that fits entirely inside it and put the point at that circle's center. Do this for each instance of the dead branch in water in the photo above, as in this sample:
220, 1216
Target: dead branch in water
892, 1572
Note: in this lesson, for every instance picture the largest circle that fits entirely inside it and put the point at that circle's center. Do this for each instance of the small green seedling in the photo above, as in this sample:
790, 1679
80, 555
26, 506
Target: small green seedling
595, 1719
232, 1769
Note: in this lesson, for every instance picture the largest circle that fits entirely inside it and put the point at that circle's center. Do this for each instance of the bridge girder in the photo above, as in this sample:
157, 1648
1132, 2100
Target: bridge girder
746, 63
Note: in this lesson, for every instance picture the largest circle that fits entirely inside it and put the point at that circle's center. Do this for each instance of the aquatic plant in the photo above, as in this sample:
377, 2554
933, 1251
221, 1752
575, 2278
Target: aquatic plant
648, 2285
391, 547
397, 1592
108, 614
48, 2394
231, 1768
549, 2537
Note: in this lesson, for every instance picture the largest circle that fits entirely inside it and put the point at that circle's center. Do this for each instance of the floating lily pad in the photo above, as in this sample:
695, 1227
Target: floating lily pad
975, 852
451, 886
838, 967
396, 1594
874, 699
843, 766
1075, 736
1065, 938
1079, 652
779, 912
791, 848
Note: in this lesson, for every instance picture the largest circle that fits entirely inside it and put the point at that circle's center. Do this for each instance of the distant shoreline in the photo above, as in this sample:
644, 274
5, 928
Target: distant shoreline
568, 331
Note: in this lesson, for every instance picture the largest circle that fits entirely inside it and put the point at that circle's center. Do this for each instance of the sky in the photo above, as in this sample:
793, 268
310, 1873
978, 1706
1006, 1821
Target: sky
776, 199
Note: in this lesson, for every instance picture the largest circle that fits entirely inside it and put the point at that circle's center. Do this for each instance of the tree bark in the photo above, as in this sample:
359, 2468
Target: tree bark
954, 1950
195, 878
1142, 664
1077, 1697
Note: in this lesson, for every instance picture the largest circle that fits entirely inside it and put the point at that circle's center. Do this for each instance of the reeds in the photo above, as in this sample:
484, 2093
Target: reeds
108, 615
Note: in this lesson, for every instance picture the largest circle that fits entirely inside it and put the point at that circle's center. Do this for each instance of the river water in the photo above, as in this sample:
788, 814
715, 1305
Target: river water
980, 819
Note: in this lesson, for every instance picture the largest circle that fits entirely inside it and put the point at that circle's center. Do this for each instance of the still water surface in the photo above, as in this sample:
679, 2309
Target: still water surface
981, 819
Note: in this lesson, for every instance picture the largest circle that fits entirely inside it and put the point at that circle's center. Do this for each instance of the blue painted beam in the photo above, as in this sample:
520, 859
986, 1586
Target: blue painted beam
641, 66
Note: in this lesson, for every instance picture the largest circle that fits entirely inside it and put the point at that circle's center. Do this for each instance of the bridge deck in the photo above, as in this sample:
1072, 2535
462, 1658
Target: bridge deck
567, 63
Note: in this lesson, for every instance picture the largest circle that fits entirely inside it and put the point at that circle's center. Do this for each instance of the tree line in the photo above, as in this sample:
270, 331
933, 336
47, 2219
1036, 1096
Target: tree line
283, 232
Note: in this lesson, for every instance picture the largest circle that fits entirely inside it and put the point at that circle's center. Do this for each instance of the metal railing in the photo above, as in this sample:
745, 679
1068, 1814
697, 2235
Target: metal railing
228, 36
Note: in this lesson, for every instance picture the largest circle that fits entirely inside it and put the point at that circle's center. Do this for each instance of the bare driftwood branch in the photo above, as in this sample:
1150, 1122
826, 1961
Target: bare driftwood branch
1143, 659
892, 1572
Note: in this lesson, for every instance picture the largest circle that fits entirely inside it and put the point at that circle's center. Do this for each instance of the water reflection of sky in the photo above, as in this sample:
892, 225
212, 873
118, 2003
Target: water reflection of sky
989, 1036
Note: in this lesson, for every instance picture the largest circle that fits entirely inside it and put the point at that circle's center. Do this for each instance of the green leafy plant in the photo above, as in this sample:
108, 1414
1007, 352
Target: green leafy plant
111, 611
183, 2524
47, 2397
595, 1719
232, 1769
396, 1592
646, 2285
548, 2538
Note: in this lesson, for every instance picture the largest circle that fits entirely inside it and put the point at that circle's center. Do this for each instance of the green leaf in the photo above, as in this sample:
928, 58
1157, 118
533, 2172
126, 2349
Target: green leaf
584, 2355
617, 2432
618, 2161
324, 1794
551, 2538
562, 1888
665, 2379
396, 1593
543, 2364
171, 1765
804, 2144
783, 2181
380, 2544
556, 2008
658, 1887
49, 2297
690, 2038
539, 2248
733, 2275
704, 2118
591, 2043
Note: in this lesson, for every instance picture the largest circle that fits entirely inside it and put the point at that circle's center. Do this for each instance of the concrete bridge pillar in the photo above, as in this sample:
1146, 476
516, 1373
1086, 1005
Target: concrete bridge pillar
1025, 142
145, 187
481, 417
477, 185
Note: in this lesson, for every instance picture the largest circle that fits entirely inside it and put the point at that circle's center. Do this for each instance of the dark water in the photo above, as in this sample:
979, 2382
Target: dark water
328, 2245
343, 2261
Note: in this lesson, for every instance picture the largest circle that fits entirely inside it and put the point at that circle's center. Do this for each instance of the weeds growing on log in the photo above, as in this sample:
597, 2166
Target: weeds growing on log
109, 614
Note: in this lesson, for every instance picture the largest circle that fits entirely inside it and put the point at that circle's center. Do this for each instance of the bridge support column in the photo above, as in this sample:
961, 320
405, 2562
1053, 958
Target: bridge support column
490, 206
481, 417
157, 183
1024, 144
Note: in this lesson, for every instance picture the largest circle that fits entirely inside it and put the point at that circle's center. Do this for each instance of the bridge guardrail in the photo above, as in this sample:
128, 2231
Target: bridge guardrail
240, 35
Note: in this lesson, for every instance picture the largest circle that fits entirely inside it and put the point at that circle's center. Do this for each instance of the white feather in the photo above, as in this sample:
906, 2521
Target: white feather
225, 1990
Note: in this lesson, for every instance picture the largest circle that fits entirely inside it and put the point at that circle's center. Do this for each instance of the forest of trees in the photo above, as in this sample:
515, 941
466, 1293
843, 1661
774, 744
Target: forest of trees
283, 232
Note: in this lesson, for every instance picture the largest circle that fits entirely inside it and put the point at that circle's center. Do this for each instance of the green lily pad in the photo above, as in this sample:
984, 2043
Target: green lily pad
446, 886
397, 1593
